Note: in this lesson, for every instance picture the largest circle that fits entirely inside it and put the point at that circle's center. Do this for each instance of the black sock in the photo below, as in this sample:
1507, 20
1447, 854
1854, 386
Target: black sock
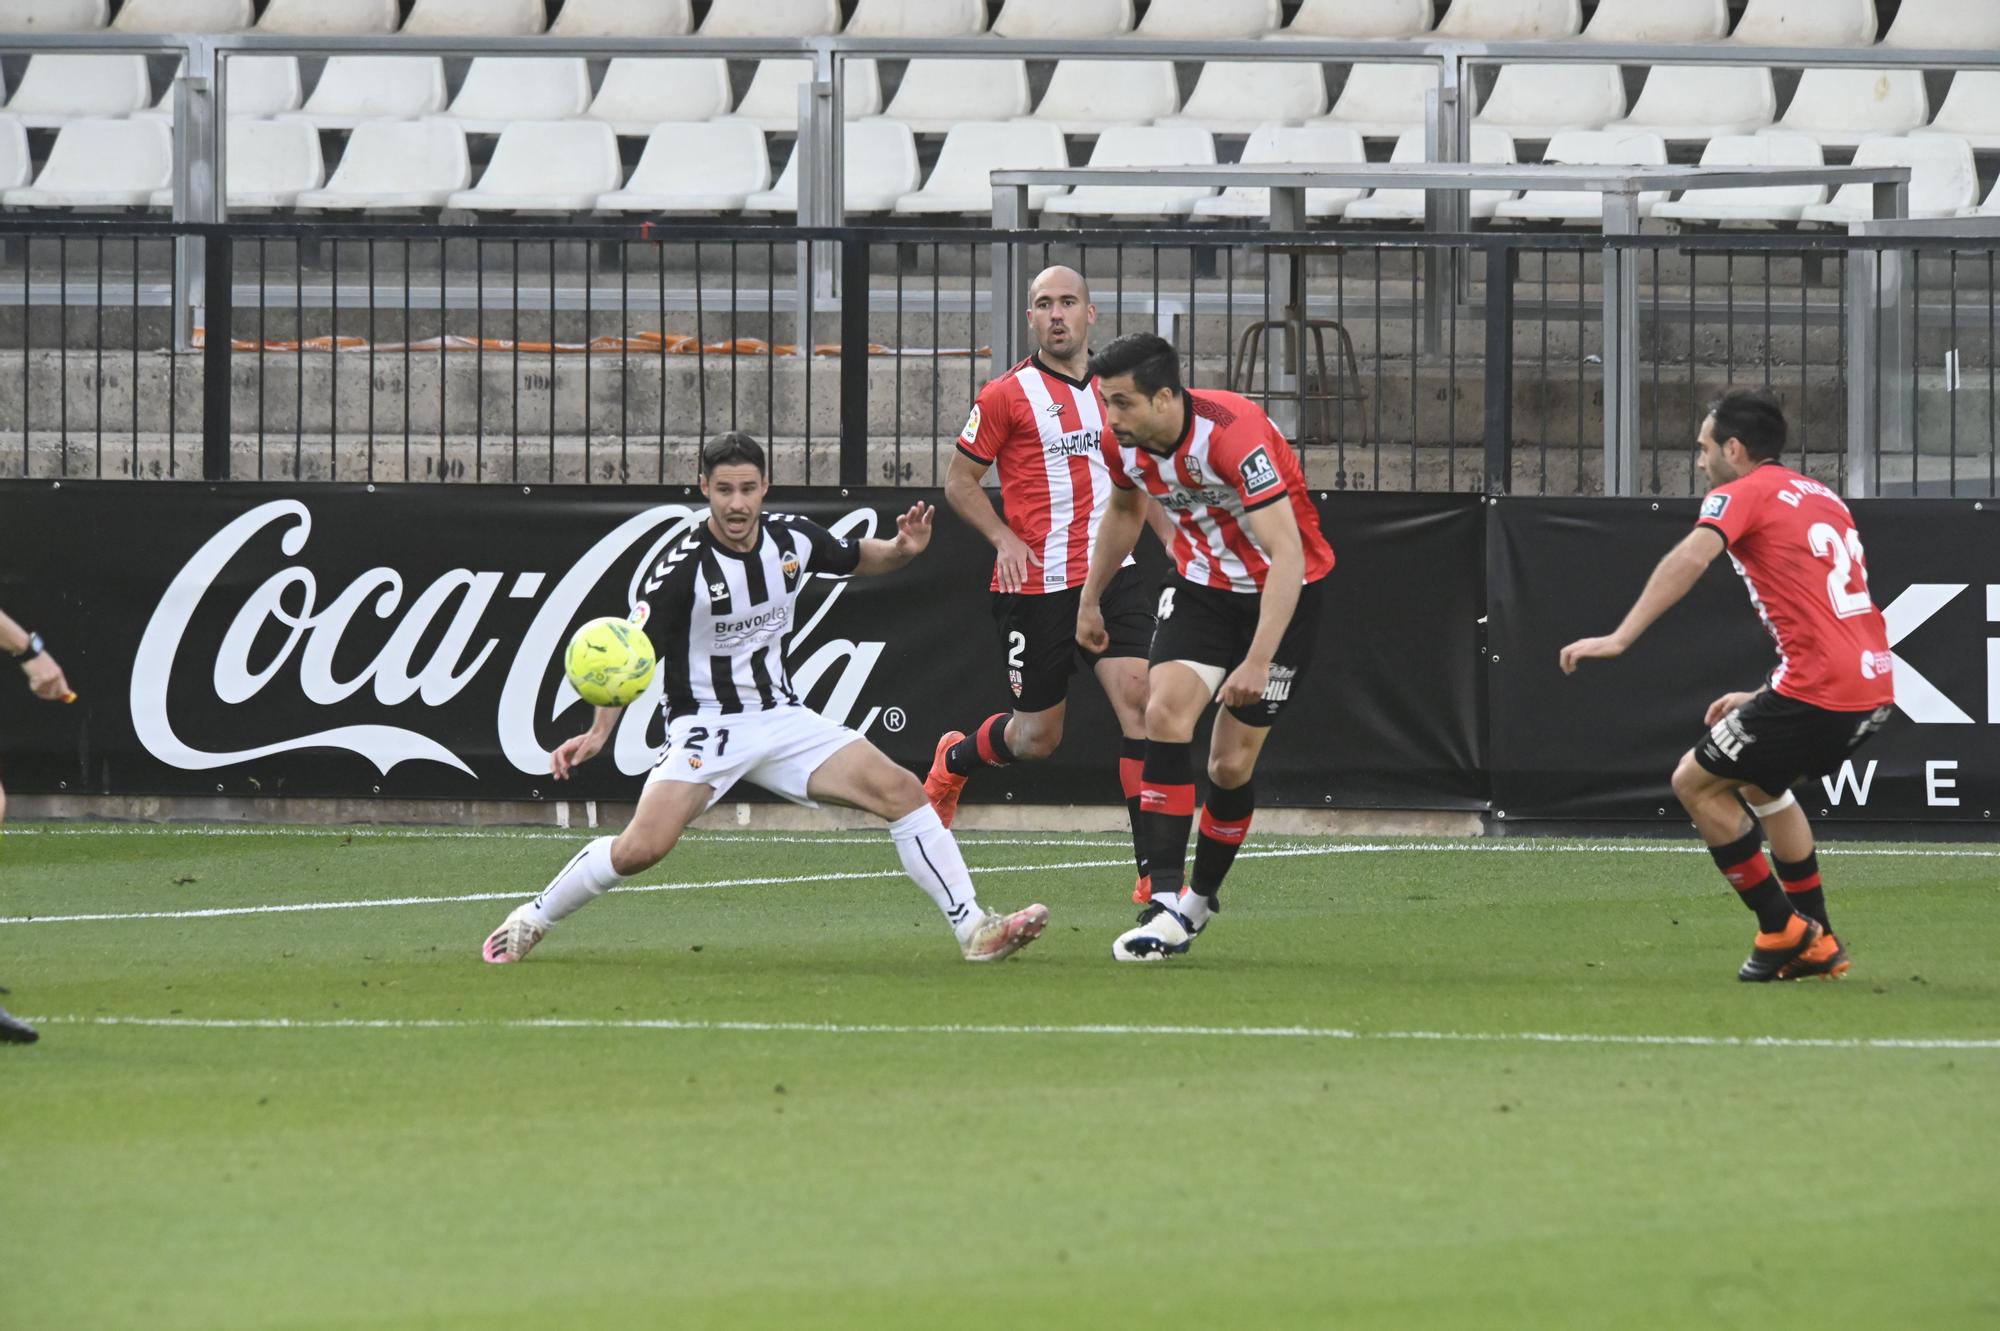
1225, 821
985, 746
1166, 812
1742, 862
1131, 775
1802, 886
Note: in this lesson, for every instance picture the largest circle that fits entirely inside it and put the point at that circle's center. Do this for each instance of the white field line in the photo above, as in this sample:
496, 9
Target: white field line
1190, 1032
295, 907
1469, 846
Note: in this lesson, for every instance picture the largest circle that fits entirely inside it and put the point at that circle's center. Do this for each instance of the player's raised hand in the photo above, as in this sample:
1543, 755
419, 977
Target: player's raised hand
1090, 632
1015, 559
1724, 705
913, 529
1246, 684
1587, 649
572, 753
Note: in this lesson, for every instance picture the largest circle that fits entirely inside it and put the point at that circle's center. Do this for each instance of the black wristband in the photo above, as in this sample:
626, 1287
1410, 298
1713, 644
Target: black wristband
34, 648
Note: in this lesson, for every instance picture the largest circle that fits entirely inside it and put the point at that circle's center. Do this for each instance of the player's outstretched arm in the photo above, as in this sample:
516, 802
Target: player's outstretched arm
1124, 519
45, 677
1276, 528
964, 491
913, 536
1675, 575
572, 753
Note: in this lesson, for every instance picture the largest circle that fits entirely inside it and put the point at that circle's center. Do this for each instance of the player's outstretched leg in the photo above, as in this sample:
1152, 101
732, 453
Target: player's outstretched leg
665, 809
1736, 843
1797, 863
861, 776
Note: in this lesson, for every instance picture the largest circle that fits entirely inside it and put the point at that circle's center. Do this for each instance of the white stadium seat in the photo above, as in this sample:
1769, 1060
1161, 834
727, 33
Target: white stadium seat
1538, 101
185, 16
1279, 144
1658, 21
639, 92
1512, 20
1063, 19
1971, 110
330, 18
357, 88
16, 167
1493, 146
1807, 23
1589, 148
918, 18
396, 164
1990, 208
1942, 179
1841, 106
772, 18
1753, 203
879, 167
1359, 19
623, 18
936, 96
1086, 96
1945, 25
1210, 18
546, 166
101, 164
1236, 96
59, 88
1695, 103
772, 99
271, 163
695, 167
43, 16
499, 90
1140, 145
256, 86
476, 18
1381, 101
961, 182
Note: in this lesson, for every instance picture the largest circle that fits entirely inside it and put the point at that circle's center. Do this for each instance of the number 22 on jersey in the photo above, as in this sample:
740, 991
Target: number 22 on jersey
1844, 550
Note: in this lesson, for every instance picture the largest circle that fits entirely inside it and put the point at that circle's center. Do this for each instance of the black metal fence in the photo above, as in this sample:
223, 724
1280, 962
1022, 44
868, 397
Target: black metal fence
604, 354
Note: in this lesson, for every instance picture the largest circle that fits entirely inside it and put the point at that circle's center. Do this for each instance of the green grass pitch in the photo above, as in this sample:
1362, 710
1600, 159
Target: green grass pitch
778, 1099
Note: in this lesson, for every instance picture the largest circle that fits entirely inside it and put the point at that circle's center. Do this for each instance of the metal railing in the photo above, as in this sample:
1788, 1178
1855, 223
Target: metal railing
604, 353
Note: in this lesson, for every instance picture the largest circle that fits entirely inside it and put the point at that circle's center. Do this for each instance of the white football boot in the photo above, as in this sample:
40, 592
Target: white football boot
1162, 932
997, 937
514, 939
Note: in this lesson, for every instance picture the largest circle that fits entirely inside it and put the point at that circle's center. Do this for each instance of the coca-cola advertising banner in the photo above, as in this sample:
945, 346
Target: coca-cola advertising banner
407, 641
1601, 743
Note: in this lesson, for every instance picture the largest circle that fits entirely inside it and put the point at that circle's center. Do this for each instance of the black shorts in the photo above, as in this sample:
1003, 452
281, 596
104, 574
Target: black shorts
1775, 742
1214, 627
1038, 634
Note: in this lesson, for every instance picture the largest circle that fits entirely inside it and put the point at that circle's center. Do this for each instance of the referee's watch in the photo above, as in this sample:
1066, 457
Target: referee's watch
34, 648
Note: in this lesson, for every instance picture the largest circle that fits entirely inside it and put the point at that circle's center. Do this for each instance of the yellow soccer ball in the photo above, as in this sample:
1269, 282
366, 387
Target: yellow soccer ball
609, 662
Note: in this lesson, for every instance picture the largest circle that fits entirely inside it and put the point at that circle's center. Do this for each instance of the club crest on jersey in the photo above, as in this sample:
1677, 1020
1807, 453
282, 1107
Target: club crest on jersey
1715, 506
971, 426
1258, 473
1014, 682
1191, 470
790, 568
694, 762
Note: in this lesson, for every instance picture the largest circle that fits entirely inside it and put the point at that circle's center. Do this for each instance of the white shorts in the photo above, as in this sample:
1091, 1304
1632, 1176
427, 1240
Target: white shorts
778, 750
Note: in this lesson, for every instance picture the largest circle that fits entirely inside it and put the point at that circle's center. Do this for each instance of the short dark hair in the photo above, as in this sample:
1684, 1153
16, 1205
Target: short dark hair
1149, 358
1753, 416
729, 450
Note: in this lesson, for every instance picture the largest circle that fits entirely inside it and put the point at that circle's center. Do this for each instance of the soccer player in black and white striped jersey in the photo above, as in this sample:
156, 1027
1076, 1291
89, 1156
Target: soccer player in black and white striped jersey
721, 601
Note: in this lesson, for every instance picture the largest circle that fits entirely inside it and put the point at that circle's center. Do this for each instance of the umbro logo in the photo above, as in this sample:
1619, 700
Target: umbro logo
1053, 409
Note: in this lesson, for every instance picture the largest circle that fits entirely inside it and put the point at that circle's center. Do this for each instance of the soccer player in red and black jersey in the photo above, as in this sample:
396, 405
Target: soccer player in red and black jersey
1795, 544
1043, 422
1237, 621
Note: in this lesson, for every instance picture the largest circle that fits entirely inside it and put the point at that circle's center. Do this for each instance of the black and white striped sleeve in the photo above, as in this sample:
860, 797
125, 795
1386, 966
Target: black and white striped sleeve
825, 552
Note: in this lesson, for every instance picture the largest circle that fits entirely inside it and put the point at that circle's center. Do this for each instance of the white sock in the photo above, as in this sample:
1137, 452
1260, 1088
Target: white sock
585, 878
931, 859
1193, 907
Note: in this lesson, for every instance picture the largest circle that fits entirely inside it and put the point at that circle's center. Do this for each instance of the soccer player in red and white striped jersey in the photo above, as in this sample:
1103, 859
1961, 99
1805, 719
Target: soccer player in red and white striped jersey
1794, 542
1042, 423
1238, 622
